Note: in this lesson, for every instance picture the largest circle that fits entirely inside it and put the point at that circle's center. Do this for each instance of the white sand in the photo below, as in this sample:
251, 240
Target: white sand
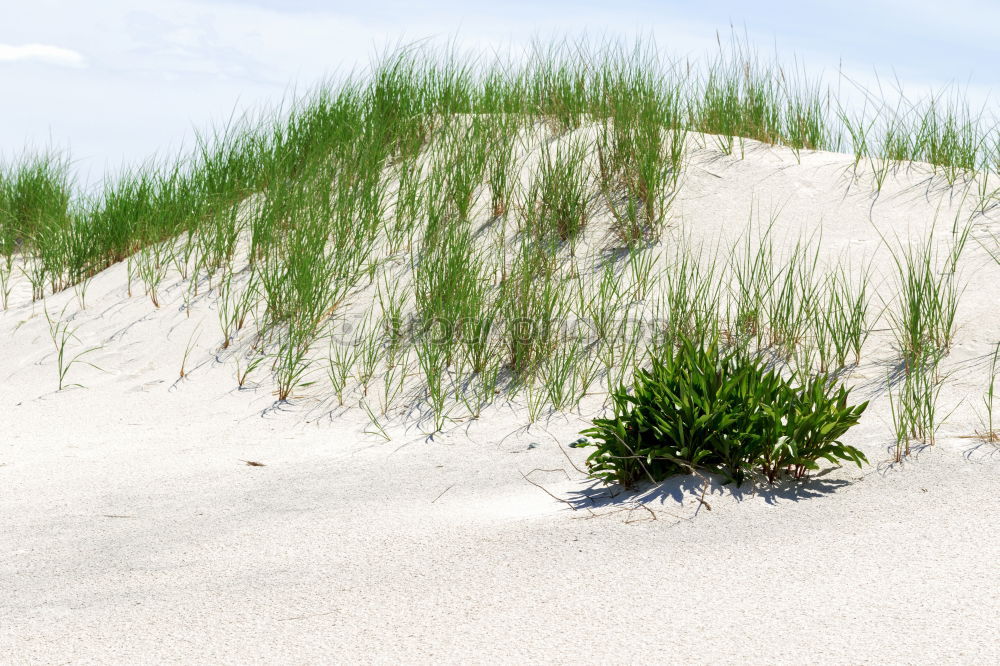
132, 532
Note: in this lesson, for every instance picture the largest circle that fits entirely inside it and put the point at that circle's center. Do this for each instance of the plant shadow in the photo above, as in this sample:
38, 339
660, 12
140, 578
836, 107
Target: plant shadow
703, 489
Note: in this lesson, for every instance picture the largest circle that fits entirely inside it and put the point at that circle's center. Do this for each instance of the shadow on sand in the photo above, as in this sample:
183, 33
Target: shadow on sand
686, 492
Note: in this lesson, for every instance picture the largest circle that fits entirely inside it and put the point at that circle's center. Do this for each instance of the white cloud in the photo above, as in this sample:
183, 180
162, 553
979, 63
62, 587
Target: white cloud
53, 55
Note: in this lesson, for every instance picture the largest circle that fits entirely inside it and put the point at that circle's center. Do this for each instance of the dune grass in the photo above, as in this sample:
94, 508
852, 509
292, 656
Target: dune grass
283, 216
989, 432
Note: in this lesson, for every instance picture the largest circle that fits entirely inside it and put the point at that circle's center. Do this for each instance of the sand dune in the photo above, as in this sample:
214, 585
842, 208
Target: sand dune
135, 531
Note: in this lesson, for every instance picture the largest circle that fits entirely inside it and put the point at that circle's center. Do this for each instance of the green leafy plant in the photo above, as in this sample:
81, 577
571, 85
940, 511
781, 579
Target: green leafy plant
700, 407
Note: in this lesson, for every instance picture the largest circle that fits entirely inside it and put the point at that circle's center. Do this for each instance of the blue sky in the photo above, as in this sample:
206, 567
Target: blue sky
117, 81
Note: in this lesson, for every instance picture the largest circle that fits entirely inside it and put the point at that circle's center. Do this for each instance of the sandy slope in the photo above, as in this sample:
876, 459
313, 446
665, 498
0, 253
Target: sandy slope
133, 532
